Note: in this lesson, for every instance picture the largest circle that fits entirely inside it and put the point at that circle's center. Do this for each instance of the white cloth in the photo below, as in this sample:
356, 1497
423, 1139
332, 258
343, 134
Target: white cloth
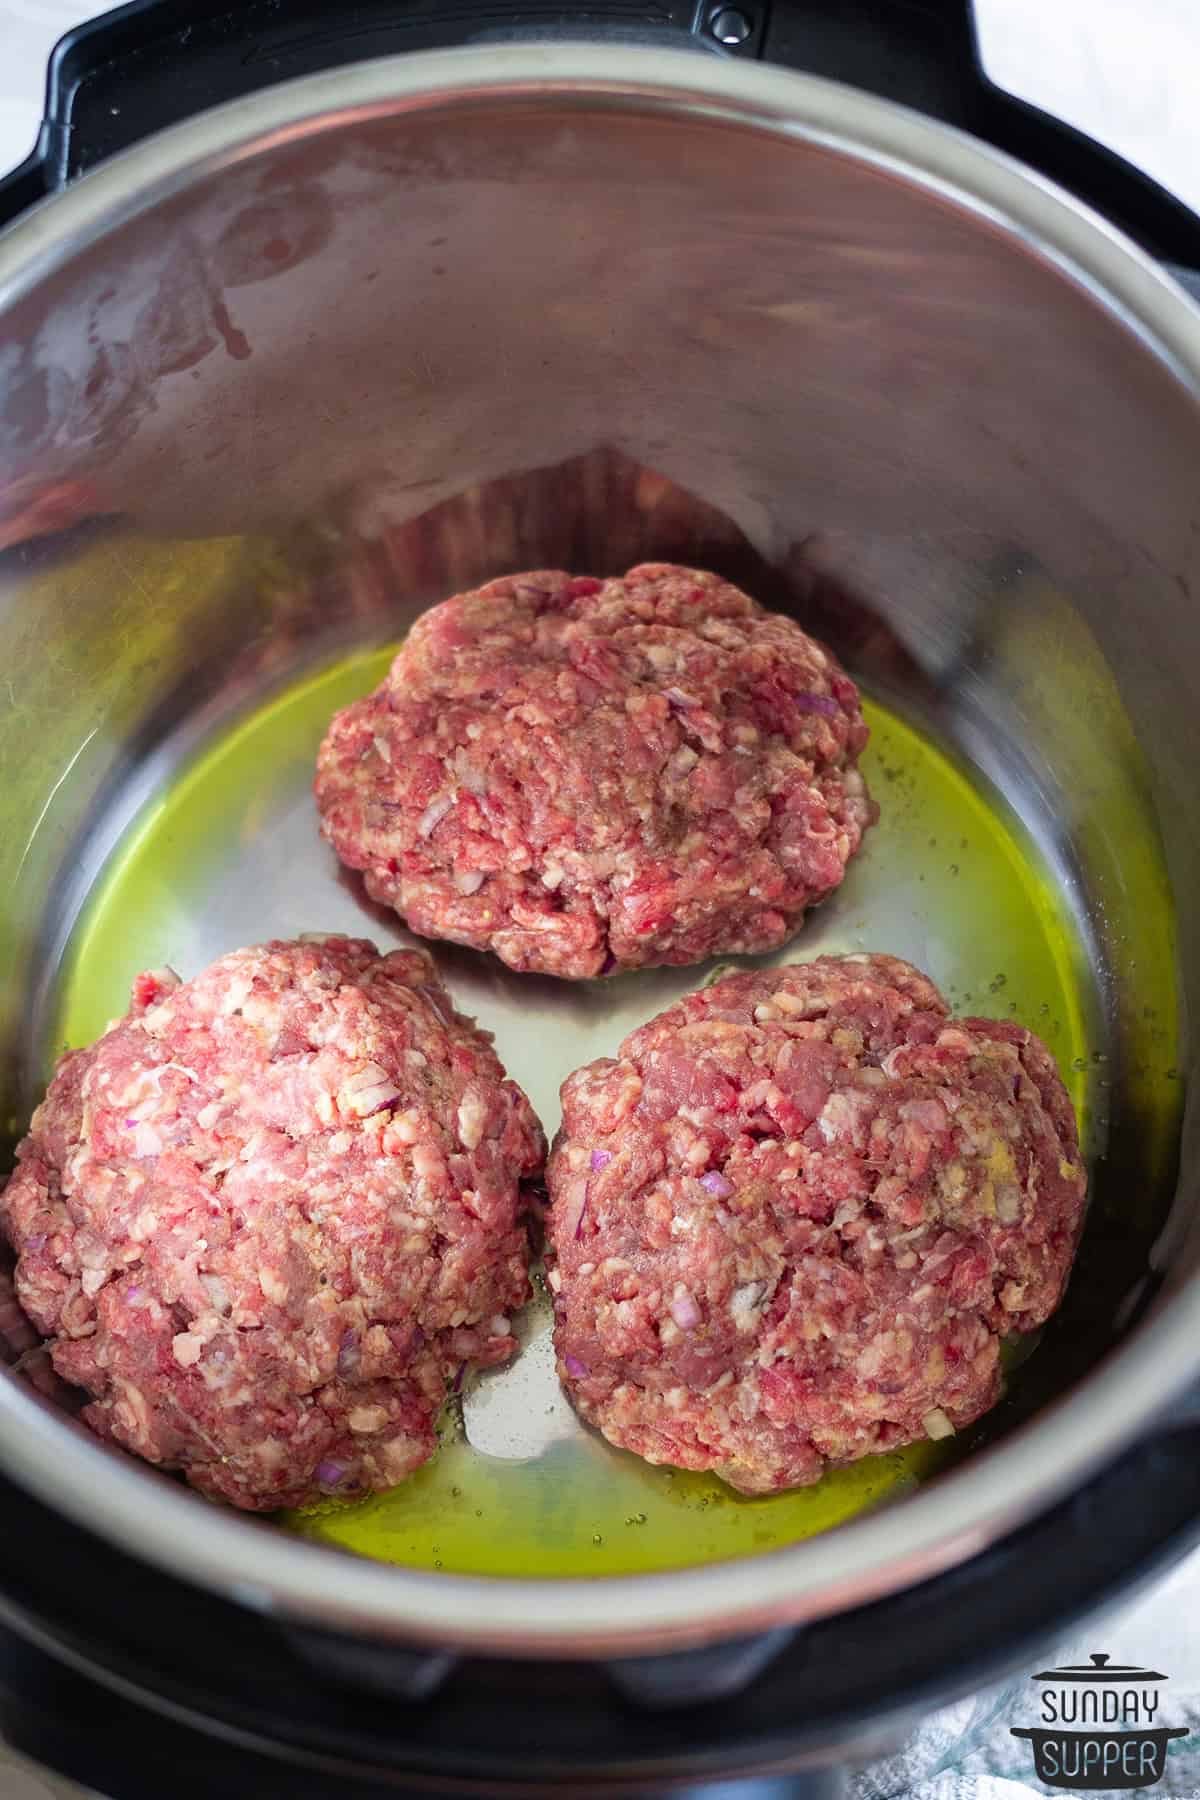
1124, 73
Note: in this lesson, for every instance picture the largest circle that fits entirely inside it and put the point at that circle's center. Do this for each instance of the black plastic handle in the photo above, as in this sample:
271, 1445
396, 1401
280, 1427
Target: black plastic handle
925, 54
146, 65
141, 67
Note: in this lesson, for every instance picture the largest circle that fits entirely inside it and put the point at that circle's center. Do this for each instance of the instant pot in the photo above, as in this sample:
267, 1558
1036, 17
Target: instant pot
790, 290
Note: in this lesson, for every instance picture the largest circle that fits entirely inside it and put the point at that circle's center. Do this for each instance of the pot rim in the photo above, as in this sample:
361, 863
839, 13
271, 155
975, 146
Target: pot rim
999, 1488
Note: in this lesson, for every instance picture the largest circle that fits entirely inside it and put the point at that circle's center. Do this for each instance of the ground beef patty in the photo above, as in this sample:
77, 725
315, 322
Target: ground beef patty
791, 1221
267, 1217
589, 775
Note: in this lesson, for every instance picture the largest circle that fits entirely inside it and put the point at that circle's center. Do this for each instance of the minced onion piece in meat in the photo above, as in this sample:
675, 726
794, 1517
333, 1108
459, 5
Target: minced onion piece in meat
825, 704
574, 1204
473, 779
368, 1090
370, 1075
368, 1100
385, 1095
576, 1369
431, 997
146, 1141
469, 881
937, 1424
601, 1158
685, 1312
349, 1354
331, 1474
217, 1292
1009, 1204
434, 813
718, 1185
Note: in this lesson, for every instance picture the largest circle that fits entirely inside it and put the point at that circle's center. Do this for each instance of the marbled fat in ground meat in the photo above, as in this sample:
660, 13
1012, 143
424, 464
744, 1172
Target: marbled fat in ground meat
588, 775
265, 1219
792, 1220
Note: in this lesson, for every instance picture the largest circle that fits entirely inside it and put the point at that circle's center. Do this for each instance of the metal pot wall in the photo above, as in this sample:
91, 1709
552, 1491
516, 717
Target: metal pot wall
910, 385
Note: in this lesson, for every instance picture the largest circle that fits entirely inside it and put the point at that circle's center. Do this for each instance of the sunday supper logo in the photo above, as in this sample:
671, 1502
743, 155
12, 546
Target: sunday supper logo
1100, 1726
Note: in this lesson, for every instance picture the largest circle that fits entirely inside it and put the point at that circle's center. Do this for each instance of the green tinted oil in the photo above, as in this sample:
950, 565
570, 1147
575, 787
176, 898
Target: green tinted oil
583, 1508
946, 879
226, 797
971, 900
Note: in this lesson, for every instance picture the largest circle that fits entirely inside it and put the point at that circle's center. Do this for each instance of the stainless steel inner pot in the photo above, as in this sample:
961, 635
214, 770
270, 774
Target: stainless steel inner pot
583, 305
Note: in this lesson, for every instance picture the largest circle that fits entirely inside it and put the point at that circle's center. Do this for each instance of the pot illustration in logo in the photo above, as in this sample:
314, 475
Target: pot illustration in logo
1099, 1726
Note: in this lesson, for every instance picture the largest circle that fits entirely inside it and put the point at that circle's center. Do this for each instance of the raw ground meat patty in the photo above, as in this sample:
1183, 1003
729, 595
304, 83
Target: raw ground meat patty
791, 1221
589, 775
269, 1214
